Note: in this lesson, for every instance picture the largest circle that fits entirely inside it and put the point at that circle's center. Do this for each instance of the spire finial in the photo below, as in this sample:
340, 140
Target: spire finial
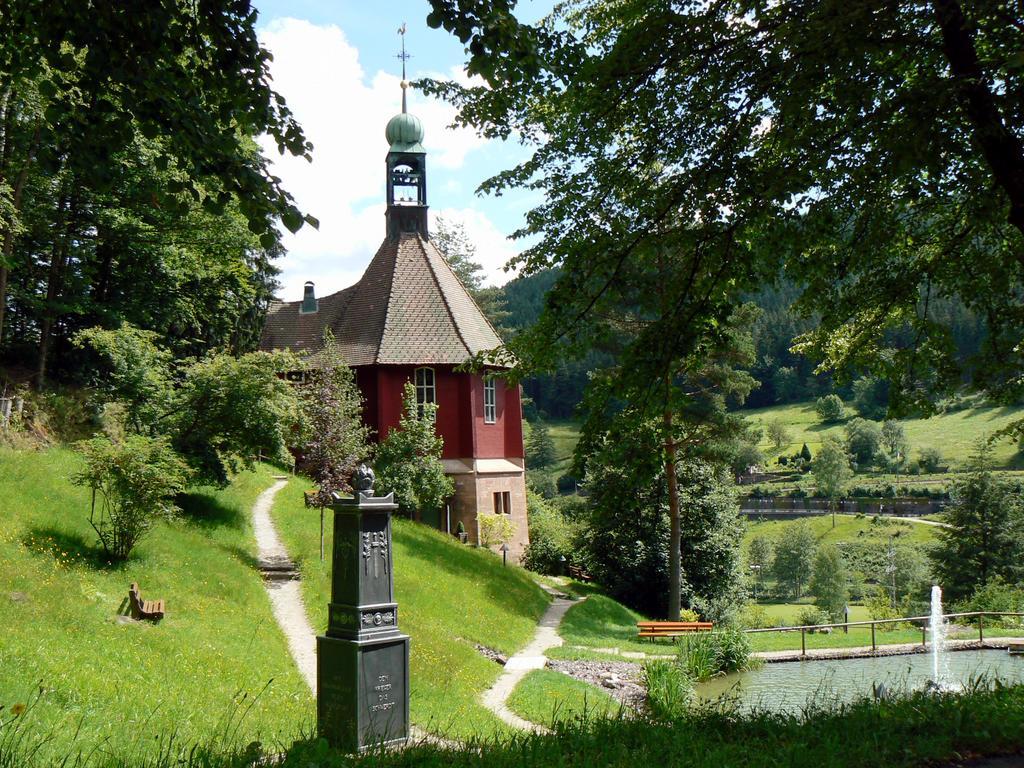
404, 57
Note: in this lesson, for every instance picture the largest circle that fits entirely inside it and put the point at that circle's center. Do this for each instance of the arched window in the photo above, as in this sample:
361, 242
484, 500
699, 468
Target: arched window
426, 392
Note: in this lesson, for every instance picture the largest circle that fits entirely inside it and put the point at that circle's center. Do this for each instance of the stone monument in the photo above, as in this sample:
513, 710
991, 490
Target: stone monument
363, 661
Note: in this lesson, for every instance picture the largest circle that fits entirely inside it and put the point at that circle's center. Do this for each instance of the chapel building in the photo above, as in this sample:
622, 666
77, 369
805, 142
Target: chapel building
409, 318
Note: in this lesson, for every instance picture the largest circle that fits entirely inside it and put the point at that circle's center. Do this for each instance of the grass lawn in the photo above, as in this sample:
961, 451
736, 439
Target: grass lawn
120, 685
849, 528
450, 597
547, 697
954, 434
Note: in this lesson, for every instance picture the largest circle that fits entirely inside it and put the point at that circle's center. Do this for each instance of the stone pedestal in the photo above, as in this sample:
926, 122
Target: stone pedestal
363, 660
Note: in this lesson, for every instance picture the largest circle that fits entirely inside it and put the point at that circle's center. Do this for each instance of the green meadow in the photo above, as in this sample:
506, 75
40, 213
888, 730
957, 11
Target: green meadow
216, 667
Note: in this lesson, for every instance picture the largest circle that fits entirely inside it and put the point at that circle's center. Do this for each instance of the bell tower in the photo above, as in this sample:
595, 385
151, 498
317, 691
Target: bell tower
406, 168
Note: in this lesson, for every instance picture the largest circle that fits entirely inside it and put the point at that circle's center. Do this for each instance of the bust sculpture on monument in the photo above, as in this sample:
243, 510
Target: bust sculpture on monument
362, 480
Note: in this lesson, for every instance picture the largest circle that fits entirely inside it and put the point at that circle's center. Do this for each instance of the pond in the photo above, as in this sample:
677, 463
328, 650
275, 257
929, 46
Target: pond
790, 686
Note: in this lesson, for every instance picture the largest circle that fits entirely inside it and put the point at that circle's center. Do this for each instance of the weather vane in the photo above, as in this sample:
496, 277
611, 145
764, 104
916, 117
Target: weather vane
404, 57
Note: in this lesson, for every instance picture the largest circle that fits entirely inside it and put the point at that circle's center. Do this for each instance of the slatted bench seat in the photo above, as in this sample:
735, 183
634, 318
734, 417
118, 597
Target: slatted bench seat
575, 572
653, 629
144, 609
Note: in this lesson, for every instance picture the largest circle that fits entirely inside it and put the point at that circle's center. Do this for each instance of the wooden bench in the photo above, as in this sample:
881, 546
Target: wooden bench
653, 629
575, 572
144, 609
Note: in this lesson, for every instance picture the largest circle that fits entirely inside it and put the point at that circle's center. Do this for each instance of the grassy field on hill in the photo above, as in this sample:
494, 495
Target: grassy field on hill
122, 685
450, 597
565, 435
955, 434
869, 531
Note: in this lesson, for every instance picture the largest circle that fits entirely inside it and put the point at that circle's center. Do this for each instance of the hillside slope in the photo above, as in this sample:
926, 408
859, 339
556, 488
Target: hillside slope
450, 598
123, 684
955, 434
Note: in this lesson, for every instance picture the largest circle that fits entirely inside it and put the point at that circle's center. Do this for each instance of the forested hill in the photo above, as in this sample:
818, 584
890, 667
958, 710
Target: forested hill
783, 376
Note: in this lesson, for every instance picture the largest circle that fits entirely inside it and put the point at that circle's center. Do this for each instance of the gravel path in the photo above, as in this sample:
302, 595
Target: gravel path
283, 587
530, 658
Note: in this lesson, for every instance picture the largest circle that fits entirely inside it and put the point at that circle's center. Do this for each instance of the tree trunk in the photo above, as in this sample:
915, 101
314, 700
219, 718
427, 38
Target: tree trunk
54, 282
675, 532
1001, 148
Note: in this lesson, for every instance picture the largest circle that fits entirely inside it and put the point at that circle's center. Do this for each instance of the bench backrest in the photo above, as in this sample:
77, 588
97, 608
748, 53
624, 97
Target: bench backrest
670, 625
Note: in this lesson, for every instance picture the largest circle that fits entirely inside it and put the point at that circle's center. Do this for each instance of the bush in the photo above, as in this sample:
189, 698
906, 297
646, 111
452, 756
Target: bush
997, 596
669, 690
754, 616
542, 484
552, 537
495, 529
829, 408
135, 481
812, 615
706, 654
929, 459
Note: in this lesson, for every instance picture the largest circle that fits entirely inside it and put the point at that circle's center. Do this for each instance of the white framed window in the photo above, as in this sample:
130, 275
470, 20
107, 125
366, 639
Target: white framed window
426, 391
490, 401
502, 503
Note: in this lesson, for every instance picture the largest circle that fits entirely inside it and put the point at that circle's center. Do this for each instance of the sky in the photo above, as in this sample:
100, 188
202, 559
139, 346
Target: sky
336, 64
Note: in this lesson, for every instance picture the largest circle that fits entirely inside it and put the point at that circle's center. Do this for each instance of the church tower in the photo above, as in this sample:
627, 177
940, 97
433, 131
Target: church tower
406, 174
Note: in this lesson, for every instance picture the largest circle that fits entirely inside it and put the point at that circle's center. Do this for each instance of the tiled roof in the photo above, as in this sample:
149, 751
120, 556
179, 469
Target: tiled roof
408, 308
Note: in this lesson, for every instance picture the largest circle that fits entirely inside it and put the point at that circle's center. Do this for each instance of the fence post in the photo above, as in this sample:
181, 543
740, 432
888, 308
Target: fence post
803, 641
981, 628
923, 641
872, 638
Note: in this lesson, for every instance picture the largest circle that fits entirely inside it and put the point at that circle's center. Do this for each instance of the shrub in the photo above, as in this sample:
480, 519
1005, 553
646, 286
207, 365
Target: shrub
998, 595
495, 529
669, 690
754, 616
552, 537
829, 408
706, 654
542, 483
135, 481
929, 459
812, 615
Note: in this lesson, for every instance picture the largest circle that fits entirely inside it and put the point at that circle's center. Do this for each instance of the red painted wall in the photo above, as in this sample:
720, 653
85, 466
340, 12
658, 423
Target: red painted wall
460, 414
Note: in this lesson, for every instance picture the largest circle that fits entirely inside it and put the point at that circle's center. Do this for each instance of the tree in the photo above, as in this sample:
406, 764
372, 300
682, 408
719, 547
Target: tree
786, 383
539, 447
408, 460
217, 412
626, 543
829, 582
452, 240
870, 397
894, 440
879, 171
829, 408
778, 433
745, 456
805, 453
984, 537
334, 440
832, 473
759, 557
136, 481
794, 558
81, 82
863, 439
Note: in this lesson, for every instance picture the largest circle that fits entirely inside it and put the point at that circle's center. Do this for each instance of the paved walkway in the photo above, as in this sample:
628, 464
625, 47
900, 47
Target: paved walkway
530, 658
283, 586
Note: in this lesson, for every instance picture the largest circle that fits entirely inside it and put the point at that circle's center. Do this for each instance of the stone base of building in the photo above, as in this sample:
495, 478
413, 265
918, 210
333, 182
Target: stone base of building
488, 487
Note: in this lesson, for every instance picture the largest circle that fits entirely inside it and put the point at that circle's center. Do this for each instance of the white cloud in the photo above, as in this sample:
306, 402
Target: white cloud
343, 113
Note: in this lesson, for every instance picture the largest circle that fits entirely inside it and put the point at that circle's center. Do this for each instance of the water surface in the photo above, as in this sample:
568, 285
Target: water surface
791, 686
